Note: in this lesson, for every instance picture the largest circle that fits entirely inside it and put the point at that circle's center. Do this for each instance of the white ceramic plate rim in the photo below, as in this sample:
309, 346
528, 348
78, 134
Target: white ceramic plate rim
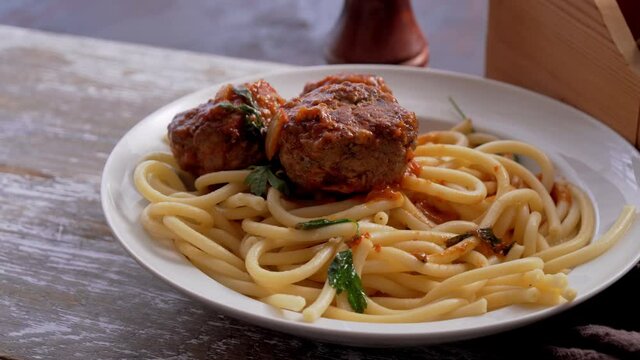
115, 177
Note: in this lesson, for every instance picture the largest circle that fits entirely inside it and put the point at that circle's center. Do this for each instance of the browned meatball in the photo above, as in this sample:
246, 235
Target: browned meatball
220, 135
346, 137
368, 79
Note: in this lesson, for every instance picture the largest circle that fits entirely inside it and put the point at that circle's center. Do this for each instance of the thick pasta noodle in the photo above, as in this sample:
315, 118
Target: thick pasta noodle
460, 181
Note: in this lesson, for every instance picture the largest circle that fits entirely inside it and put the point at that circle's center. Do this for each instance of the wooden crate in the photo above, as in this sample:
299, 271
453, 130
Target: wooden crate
581, 52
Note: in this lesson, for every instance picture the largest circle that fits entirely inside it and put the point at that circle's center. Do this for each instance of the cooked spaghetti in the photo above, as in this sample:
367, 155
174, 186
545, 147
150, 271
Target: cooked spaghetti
468, 230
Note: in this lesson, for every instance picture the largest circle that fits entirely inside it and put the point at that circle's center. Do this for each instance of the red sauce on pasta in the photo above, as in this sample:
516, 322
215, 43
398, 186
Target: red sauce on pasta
421, 256
358, 239
561, 192
355, 242
434, 214
427, 138
386, 193
414, 168
410, 155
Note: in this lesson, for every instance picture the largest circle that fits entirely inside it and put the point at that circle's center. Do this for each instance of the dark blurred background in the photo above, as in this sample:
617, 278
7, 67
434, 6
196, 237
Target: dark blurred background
289, 31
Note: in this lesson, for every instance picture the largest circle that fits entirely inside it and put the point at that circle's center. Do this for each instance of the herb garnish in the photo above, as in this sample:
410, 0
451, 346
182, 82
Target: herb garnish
458, 238
251, 110
484, 234
343, 277
245, 94
463, 116
318, 223
243, 108
261, 175
457, 108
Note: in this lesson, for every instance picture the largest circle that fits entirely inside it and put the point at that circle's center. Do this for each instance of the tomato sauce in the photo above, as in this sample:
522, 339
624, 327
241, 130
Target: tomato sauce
410, 155
414, 168
434, 214
427, 138
560, 192
386, 193
421, 256
357, 240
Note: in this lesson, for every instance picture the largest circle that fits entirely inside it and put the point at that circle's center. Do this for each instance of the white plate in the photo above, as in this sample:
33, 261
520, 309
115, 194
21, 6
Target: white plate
585, 151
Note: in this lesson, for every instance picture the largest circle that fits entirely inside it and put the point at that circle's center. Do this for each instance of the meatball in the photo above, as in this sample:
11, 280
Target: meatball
346, 137
372, 80
227, 132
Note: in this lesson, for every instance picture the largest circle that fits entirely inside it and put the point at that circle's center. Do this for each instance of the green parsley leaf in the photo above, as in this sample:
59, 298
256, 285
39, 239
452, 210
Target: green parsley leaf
252, 116
318, 223
457, 108
260, 176
257, 180
254, 125
242, 108
484, 234
277, 180
229, 106
245, 94
343, 277
458, 238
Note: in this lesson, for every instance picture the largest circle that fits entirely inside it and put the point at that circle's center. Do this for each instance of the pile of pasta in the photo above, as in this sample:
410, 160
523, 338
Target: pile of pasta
409, 274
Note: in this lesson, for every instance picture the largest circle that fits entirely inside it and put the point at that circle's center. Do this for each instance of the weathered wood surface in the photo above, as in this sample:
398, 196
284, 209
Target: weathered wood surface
68, 290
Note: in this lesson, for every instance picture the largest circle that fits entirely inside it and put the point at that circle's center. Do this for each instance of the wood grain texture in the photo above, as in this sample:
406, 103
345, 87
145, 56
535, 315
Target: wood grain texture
68, 290
578, 51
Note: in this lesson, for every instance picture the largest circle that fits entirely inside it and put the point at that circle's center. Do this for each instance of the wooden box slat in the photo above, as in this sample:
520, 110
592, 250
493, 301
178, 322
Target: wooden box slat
578, 51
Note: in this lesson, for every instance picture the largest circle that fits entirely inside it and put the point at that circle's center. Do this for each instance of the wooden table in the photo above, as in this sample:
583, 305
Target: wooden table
69, 290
